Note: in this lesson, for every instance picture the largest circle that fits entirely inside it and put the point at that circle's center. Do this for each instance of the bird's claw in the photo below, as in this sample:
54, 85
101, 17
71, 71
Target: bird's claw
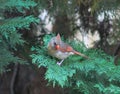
59, 63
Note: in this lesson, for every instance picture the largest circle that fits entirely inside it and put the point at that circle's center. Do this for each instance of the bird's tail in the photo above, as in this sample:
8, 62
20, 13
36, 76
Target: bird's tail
78, 53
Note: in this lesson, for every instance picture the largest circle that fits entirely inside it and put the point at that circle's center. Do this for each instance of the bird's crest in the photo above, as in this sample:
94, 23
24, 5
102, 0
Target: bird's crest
58, 36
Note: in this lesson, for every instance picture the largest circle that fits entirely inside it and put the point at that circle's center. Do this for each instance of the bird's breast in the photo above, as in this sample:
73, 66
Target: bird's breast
63, 55
58, 54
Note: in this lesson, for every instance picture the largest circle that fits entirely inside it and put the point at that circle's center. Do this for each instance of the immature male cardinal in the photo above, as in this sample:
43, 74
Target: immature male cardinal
57, 48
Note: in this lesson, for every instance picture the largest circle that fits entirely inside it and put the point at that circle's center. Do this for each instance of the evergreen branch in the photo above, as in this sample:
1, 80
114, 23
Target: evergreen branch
10, 27
17, 23
78, 71
20, 4
6, 57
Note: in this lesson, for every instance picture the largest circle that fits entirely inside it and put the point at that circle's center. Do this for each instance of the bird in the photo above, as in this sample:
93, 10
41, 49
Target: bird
61, 50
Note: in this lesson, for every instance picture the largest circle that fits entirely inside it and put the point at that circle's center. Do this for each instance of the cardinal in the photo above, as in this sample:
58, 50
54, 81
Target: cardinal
57, 48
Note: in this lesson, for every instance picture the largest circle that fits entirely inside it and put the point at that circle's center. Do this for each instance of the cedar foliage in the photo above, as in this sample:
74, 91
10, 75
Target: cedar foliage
14, 19
97, 75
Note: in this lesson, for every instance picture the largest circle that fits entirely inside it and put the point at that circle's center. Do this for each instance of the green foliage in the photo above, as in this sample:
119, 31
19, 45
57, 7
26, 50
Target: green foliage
84, 75
97, 75
111, 89
14, 21
7, 57
17, 5
9, 28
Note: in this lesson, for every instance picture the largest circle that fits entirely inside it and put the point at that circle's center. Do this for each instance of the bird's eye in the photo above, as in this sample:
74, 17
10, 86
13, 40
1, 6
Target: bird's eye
55, 43
57, 46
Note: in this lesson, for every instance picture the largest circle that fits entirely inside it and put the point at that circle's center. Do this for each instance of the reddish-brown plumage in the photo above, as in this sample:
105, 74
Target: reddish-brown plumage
61, 50
65, 49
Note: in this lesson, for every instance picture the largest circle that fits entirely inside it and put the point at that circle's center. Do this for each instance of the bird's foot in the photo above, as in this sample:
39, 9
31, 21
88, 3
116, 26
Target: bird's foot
59, 63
